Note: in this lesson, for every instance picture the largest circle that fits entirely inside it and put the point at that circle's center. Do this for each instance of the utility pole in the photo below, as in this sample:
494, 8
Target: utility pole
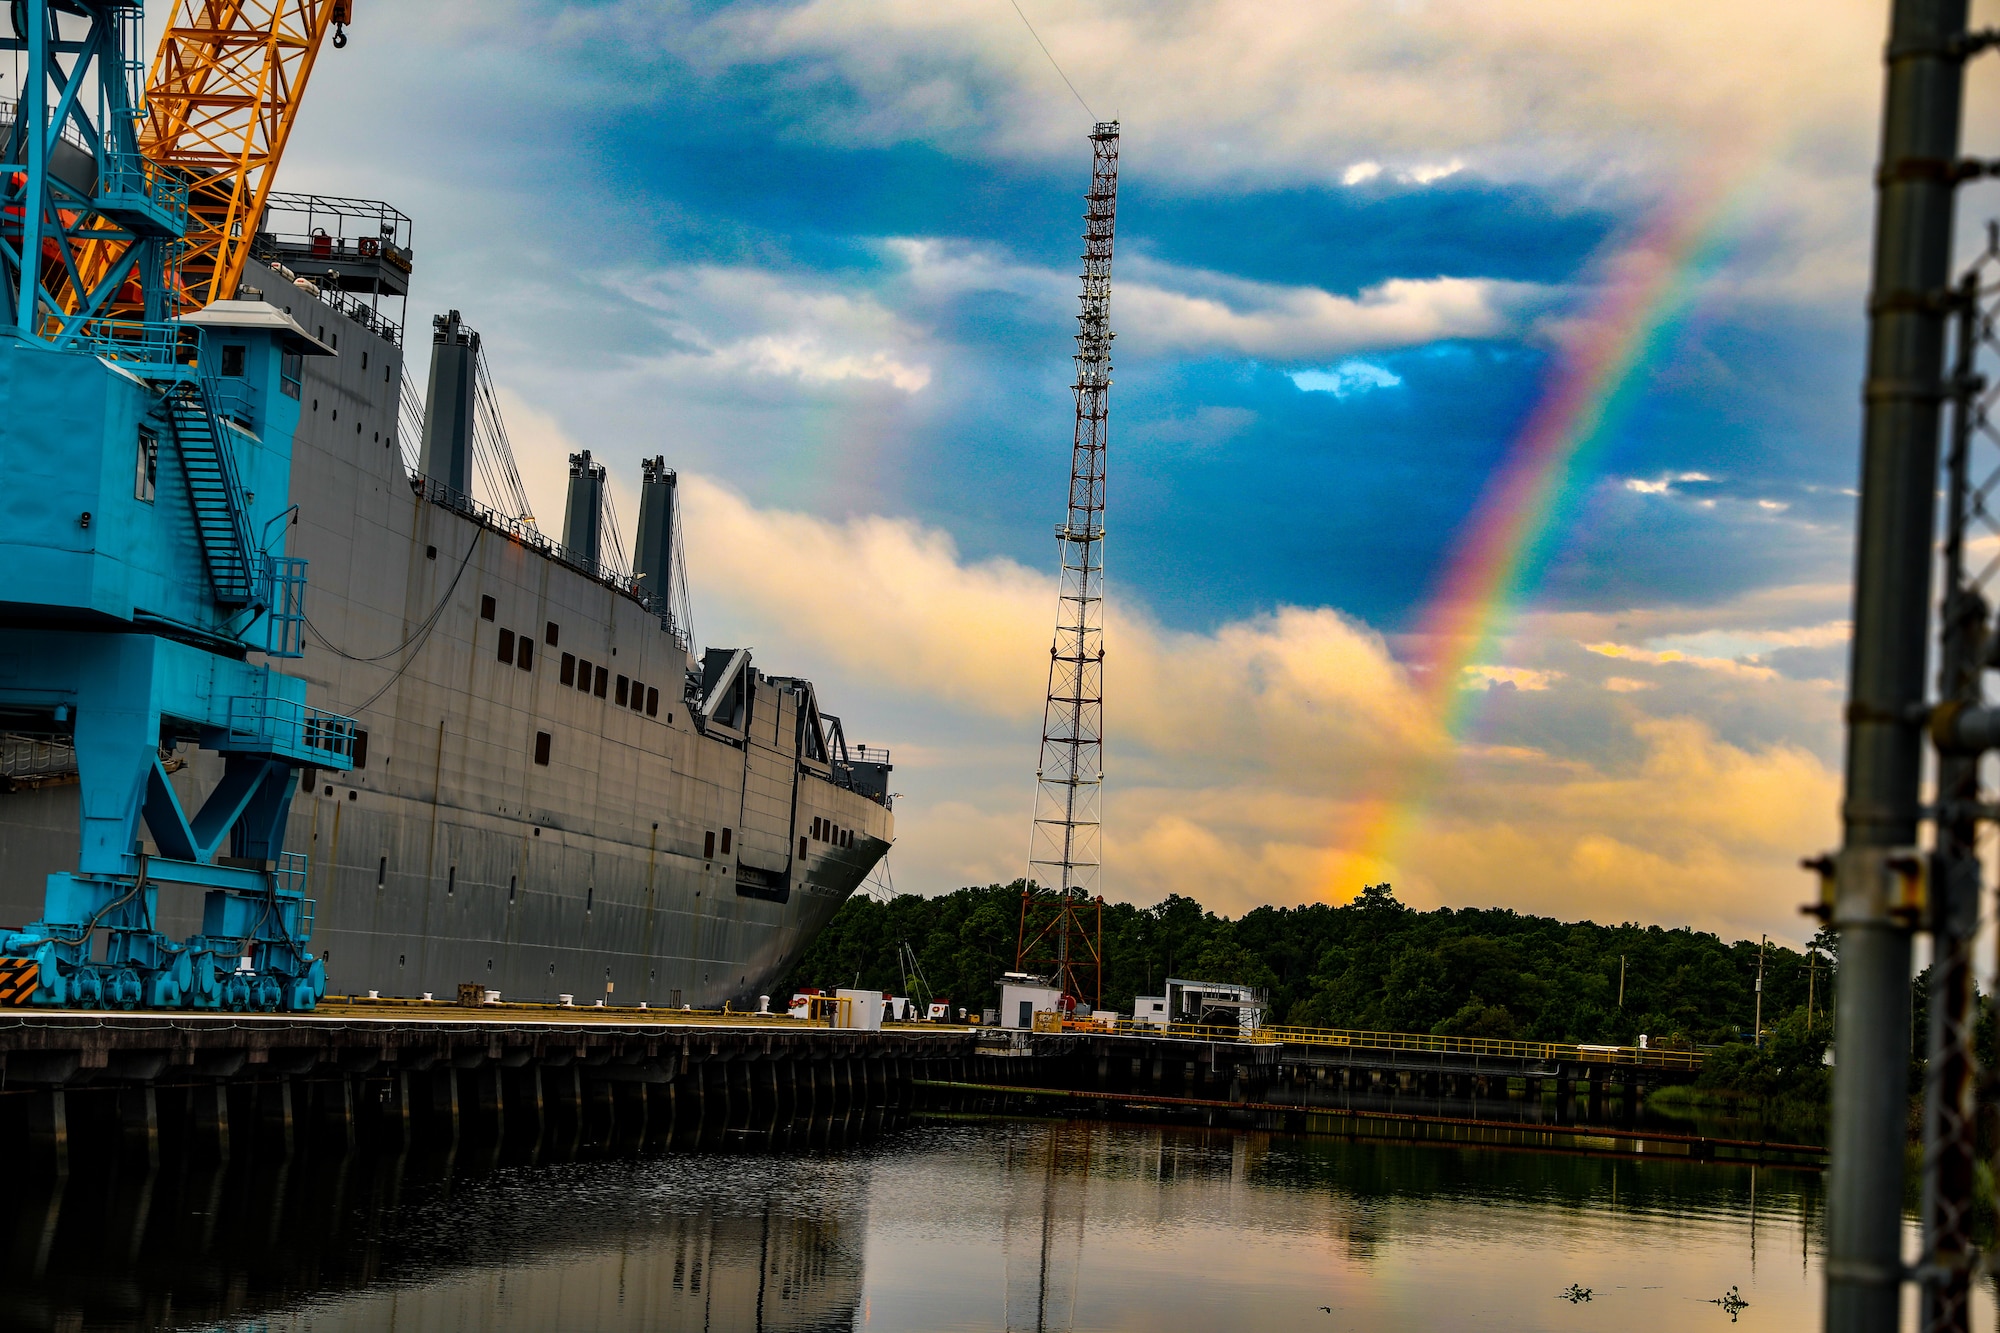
1621, 981
1872, 889
1812, 969
1757, 1028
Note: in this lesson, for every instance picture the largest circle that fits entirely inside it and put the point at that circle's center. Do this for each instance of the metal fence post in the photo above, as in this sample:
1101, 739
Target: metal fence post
1874, 876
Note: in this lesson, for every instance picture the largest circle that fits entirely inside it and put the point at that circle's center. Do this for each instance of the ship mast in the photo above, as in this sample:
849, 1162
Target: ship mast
1065, 846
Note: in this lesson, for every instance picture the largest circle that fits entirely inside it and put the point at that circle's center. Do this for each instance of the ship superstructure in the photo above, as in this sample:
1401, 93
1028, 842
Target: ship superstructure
469, 754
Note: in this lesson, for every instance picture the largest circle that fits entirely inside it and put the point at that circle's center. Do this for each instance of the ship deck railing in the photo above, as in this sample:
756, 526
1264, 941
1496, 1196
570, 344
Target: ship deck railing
522, 530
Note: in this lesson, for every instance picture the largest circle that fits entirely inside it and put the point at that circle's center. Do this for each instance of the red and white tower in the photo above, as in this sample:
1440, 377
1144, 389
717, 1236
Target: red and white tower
1063, 857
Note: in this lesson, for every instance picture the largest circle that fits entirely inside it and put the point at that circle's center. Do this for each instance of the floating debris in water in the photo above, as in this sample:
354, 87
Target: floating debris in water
1576, 1295
1731, 1301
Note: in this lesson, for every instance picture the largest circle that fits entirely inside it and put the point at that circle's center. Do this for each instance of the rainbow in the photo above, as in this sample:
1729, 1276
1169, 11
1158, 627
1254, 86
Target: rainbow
1647, 286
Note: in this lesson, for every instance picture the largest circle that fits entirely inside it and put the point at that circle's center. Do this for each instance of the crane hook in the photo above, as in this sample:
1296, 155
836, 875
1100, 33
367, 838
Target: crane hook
339, 35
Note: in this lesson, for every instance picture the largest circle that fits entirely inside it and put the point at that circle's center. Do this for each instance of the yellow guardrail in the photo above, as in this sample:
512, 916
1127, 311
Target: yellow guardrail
1648, 1057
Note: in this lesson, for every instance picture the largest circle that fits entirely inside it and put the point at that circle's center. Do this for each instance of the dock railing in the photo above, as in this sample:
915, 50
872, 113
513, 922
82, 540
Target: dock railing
1651, 1057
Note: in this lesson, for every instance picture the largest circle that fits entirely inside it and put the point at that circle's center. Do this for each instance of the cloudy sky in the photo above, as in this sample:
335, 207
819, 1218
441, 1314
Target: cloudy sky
822, 256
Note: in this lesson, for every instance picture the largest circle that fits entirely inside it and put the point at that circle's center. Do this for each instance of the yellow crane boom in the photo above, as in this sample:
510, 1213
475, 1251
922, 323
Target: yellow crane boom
223, 95
224, 91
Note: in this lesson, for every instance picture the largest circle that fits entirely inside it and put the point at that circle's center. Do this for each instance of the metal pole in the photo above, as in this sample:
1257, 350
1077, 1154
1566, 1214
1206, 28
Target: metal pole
1954, 899
1757, 1023
1874, 905
34, 115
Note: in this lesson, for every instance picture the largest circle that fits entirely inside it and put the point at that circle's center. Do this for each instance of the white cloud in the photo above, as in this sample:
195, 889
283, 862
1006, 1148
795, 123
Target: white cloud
1666, 483
1350, 377
1162, 307
1674, 657
1231, 87
1431, 174
1242, 758
744, 321
1361, 173
1519, 678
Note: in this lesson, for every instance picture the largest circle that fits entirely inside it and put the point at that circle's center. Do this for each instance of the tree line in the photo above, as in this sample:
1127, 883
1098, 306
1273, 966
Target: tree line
1373, 963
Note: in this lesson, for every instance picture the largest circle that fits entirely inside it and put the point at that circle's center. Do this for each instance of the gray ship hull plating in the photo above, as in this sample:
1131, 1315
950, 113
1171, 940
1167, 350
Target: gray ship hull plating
672, 833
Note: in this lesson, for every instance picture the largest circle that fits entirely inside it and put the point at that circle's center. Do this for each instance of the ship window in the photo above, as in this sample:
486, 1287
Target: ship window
541, 753
603, 681
624, 688
725, 842
430, 553
506, 649
487, 608
815, 826
652, 702
638, 697
549, 634
360, 748
583, 670
708, 845
233, 355
146, 476
291, 371
525, 654
569, 668
451, 881
382, 873
589, 898
513, 883
802, 849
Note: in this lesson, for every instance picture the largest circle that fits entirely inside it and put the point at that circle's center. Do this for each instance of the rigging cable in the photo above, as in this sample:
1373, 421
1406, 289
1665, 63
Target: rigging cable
1052, 60
415, 642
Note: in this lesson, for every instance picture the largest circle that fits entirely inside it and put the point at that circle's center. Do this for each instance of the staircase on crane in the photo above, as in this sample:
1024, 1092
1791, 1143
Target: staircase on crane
210, 469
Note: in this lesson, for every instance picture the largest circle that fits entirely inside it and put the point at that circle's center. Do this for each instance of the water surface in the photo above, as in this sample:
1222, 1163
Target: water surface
974, 1225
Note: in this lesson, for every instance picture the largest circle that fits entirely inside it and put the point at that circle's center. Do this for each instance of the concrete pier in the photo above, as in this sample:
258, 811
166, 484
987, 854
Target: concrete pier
470, 1087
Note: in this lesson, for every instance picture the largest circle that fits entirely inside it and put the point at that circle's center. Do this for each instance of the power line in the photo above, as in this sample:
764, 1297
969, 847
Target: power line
1052, 60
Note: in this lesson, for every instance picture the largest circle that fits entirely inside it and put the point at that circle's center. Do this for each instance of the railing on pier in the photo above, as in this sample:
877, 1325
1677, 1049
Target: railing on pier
1583, 1053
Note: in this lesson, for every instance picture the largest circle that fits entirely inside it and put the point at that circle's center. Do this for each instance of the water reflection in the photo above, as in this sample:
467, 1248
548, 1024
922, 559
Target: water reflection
976, 1225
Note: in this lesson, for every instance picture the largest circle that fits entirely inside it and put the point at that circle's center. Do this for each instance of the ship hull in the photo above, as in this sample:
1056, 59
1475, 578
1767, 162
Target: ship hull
503, 826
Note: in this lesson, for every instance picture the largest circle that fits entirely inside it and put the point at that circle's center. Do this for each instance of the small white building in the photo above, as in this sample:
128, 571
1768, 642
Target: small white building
1150, 1009
863, 1010
1214, 1003
1023, 996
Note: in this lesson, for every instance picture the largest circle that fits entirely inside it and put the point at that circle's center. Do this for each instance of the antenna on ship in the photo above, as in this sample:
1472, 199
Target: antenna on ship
1065, 845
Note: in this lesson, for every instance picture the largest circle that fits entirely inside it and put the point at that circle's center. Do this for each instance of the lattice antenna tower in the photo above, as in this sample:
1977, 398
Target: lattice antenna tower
1063, 857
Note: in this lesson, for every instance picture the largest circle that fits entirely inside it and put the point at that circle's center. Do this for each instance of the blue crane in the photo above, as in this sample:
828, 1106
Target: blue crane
145, 469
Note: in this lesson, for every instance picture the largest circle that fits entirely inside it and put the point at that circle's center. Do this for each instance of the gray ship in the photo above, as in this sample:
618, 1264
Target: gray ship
553, 795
